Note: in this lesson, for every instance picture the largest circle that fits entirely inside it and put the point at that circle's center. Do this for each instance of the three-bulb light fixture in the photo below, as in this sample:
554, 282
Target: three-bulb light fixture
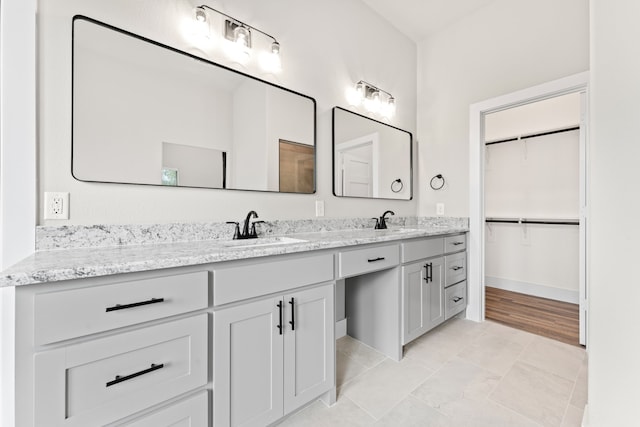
372, 98
237, 38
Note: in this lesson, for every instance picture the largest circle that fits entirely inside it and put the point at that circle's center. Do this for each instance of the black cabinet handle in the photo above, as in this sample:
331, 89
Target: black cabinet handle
457, 243
292, 322
135, 304
118, 379
456, 299
380, 258
280, 317
429, 268
456, 268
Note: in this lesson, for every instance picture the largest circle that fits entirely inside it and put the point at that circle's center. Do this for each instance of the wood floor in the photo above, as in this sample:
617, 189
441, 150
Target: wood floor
554, 319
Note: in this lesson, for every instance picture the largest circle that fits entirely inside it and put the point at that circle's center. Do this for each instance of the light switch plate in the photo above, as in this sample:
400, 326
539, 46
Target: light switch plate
319, 207
440, 209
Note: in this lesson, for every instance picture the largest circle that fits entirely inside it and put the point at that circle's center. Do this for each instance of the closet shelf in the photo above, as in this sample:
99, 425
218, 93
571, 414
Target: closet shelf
532, 135
555, 221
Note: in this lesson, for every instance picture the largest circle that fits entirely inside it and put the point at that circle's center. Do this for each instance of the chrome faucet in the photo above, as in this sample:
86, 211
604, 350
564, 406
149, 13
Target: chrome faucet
246, 233
381, 223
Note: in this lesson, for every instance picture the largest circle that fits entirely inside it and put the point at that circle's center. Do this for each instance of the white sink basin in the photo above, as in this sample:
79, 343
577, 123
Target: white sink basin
261, 241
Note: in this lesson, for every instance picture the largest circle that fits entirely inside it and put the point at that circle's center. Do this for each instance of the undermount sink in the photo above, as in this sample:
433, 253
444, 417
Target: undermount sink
396, 230
261, 241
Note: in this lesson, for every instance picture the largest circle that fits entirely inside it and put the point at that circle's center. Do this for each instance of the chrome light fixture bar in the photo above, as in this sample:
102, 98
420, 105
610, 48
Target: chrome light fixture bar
240, 33
371, 97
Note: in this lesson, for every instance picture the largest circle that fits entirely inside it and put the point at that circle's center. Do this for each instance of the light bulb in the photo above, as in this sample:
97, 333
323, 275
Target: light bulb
241, 36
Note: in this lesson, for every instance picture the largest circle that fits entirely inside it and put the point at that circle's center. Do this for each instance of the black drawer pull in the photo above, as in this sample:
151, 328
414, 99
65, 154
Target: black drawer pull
135, 304
120, 379
457, 243
279, 325
456, 299
292, 322
428, 272
456, 268
380, 258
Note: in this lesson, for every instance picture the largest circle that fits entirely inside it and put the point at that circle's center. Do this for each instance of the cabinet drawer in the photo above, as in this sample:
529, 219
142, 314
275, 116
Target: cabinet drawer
360, 261
100, 381
420, 249
455, 299
456, 268
245, 280
62, 315
191, 412
455, 243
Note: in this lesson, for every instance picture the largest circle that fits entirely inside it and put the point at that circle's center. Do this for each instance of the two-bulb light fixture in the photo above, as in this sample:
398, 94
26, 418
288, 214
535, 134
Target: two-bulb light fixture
237, 39
372, 98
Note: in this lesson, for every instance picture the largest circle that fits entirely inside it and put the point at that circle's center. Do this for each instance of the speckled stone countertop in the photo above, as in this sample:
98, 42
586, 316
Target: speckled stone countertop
64, 264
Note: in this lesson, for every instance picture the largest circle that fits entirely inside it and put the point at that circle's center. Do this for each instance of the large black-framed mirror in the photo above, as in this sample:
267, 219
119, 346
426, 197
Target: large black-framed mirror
147, 113
371, 159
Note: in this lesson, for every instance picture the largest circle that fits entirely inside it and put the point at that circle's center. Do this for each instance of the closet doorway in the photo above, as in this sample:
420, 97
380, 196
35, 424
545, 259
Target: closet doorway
575, 84
532, 217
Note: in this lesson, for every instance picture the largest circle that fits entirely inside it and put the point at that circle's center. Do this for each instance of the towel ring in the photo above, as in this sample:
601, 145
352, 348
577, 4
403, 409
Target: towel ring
397, 186
435, 186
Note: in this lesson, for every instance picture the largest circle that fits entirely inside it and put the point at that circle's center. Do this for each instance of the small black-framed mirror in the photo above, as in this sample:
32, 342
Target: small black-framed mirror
371, 159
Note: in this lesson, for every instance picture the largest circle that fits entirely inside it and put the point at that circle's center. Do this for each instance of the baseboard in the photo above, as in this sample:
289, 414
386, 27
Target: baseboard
341, 328
585, 416
534, 289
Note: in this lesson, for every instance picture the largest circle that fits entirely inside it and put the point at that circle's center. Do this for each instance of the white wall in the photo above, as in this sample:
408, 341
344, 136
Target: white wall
506, 46
613, 328
318, 62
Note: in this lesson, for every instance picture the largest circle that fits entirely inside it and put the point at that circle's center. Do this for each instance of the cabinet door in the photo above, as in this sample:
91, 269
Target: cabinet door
414, 300
435, 290
309, 346
422, 297
248, 364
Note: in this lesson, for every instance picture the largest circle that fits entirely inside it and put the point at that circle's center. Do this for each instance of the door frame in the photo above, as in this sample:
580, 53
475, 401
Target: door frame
476, 286
372, 139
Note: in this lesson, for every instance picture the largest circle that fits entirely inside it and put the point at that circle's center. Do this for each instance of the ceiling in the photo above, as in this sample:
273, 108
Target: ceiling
418, 19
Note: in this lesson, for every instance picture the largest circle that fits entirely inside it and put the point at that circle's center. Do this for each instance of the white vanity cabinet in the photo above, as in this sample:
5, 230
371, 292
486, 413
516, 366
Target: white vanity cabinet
276, 353
433, 286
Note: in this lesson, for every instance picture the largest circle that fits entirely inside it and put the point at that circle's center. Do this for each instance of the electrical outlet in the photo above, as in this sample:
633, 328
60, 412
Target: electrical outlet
56, 205
525, 236
440, 209
319, 207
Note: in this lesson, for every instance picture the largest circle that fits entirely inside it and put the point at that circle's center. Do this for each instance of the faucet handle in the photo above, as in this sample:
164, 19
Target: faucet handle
253, 228
377, 226
236, 232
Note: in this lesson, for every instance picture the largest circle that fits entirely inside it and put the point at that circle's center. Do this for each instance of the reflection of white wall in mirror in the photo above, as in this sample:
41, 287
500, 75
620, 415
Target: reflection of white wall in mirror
248, 161
287, 120
200, 167
121, 141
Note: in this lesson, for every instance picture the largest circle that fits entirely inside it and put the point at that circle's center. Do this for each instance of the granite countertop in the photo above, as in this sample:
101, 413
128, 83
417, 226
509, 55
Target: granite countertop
65, 264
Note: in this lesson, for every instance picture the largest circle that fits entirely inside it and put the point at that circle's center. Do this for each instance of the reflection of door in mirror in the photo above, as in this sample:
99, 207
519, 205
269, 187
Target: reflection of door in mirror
297, 164
358, 166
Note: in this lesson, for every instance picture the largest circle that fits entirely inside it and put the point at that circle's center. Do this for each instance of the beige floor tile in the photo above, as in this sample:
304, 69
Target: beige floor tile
360, 352
435, 348
534, 393
412, 412
553, 356
573, 417
467, 328
492, 352
485, 413
579, 396
515, 335
457, 382
343, 413
379, 389
347, 368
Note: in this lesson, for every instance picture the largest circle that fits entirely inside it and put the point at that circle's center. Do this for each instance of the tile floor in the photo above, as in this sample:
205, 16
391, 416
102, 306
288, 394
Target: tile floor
460, 374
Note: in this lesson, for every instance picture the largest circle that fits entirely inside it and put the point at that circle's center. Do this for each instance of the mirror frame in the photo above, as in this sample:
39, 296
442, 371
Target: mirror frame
197, 58
333, 156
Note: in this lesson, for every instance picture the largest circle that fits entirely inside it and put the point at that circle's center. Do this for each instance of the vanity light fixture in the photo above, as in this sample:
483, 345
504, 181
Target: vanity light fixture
239, 35
373, 99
